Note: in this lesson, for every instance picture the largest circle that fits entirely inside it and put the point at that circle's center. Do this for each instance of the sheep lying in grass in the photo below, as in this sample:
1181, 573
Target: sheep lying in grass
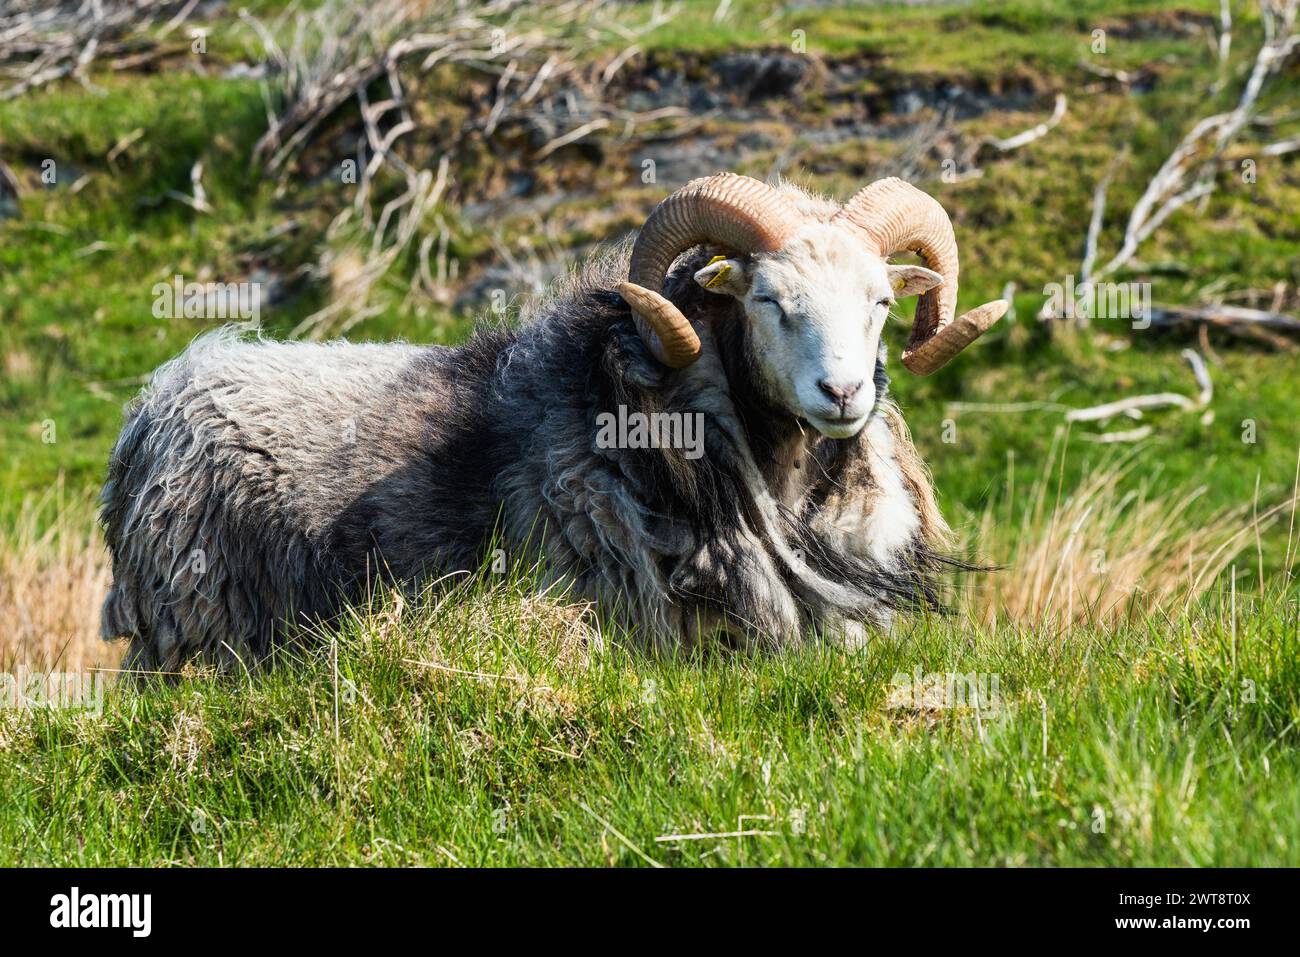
707, 451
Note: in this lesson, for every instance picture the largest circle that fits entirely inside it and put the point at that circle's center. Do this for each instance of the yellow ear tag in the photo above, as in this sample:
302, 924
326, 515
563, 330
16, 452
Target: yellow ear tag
900, 284
718, 278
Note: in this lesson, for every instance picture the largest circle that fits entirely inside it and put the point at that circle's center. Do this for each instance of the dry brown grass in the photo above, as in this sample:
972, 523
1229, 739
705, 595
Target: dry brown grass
1110, 547
54, 573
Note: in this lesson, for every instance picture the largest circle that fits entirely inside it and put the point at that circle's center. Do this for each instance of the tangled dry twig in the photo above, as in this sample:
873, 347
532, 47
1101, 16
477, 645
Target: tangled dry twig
42, 41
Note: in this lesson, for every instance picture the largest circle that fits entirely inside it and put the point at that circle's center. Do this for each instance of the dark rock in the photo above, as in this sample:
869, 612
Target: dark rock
758, 76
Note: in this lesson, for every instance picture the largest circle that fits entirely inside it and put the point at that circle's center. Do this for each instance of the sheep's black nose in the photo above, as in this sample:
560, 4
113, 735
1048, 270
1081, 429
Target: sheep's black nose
840, 393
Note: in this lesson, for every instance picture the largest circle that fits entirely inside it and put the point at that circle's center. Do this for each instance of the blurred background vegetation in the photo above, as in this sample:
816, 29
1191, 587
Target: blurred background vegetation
546, 128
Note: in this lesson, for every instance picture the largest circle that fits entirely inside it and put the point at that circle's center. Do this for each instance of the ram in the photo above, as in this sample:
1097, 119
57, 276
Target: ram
260, 485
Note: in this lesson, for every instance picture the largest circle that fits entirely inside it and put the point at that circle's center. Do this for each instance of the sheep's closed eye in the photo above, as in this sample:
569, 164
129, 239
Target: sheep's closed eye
769, 301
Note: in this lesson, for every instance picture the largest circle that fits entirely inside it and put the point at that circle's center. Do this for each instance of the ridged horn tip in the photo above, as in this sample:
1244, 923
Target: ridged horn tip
936, 352
674, 341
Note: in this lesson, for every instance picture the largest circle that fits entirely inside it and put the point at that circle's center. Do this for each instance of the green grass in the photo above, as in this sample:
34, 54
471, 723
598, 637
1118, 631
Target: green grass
1169, 740
985, 40
482, 731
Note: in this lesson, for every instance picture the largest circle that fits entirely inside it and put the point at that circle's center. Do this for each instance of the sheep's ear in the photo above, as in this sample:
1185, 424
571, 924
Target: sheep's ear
911, 280
723, 276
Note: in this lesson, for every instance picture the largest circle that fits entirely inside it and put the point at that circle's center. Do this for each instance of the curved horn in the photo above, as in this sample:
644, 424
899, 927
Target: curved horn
730, 210
892, 215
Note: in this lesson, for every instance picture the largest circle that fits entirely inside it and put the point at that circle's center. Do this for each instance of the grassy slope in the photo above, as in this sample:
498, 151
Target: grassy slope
1139, 745
1138, 717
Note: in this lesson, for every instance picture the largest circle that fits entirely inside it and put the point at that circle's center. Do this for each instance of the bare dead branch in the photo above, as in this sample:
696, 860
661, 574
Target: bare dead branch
1098, 216
1122, 77
122, 145
572, 136
1140, 403
1224, 46
969, 167
1129, 435
1187, 174
1224, 316
198, 199
1281, 147
1034, 132
1137, 403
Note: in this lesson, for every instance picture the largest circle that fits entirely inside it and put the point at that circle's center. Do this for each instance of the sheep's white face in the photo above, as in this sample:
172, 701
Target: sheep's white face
816, 309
